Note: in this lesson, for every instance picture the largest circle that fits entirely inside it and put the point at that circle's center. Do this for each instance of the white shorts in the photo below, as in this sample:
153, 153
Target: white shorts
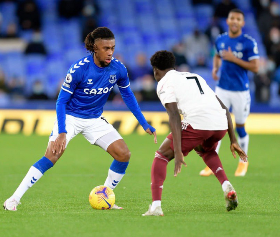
240, 102
97, 131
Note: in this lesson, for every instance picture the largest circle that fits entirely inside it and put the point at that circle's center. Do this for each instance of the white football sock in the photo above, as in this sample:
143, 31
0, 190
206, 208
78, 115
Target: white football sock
225, 185
218, 147
244, 144
155, 204
113, 179
32, 176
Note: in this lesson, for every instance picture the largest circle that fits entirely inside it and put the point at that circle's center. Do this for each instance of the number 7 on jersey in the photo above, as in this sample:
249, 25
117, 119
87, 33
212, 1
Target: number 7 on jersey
198, 84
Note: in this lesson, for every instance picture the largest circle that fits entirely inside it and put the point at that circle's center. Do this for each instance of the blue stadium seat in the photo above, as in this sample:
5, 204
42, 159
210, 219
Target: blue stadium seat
164, 8
56, 72
204, 10
185, 17
243, 4
50, 5
143, 7
203, 14
52, 38
14, 65
8, 12
70, 30
186, 26
35, 70
138, 25
35, 64
105, 5
74, 54
148, 25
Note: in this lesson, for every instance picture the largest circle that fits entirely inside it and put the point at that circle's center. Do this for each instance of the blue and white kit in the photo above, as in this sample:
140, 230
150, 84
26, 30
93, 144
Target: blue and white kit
83, 95
233, 86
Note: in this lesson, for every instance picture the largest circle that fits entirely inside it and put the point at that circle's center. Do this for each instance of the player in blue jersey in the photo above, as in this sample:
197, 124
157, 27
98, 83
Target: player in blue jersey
79, 109
236, 54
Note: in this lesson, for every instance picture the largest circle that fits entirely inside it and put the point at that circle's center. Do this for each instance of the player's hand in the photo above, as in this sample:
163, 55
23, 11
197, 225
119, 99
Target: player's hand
59, 144
151, 130
214, 74
179, 160
234, 147
152, 133
228, 55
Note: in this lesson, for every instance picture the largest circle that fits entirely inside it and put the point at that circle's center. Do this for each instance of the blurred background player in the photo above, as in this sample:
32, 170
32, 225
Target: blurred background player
79, 109
236, 54
205, 121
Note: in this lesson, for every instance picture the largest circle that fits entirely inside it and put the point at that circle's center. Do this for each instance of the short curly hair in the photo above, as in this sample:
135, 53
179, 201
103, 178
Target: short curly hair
163, 60
98, 33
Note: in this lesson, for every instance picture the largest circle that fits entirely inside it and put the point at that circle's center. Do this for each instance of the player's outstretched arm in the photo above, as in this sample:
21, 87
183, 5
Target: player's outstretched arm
234, 147
176, 129
133, 106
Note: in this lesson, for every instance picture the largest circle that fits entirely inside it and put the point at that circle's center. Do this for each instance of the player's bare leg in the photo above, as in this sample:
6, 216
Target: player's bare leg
33, 175
158, 173
121, 154
243, 141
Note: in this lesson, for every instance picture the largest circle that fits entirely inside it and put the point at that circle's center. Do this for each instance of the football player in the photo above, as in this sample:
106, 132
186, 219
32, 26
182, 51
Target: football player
205, 122
79, 109
236, 54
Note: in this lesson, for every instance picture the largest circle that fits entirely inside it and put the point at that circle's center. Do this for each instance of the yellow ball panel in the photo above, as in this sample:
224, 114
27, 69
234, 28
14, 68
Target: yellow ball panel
102, 198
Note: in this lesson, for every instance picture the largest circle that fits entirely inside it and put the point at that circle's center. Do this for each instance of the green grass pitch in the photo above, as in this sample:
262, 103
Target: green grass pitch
193, 206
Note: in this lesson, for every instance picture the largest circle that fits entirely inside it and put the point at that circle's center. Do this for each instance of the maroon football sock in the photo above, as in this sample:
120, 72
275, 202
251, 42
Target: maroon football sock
213, 161
158, 174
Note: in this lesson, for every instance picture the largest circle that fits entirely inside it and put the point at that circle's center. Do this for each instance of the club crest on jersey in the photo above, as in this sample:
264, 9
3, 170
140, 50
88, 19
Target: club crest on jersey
68, 78
89, 81
222, 45
113, 79
239, 46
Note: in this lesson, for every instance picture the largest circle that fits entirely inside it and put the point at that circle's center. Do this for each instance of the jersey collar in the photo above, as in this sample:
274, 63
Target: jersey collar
95, 66
166, 76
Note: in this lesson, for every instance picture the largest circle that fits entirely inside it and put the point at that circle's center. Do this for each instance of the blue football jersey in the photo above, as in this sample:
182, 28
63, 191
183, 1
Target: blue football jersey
91, 85
234, 77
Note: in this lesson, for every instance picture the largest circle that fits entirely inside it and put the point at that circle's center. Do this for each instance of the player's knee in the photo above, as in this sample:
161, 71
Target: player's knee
123, 155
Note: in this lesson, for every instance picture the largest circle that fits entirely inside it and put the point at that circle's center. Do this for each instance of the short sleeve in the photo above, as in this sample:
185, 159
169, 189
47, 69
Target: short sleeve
123, 81
252, 50
71, 80
166, 94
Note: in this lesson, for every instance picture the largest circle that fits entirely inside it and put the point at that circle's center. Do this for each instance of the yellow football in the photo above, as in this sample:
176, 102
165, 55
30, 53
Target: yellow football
102, 198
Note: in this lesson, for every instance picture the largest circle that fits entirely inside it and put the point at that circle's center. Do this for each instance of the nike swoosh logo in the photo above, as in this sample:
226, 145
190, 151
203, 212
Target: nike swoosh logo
107, 202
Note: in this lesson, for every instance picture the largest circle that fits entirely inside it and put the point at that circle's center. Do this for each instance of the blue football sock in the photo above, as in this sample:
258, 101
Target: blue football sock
43, 164
115, 173
119, 167
241, 132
